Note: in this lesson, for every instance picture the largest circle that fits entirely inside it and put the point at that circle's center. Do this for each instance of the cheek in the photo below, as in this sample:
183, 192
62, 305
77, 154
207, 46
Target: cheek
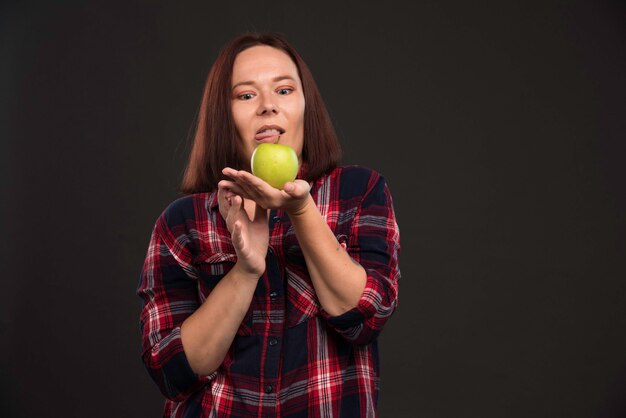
238, 118
300, 126
298, 113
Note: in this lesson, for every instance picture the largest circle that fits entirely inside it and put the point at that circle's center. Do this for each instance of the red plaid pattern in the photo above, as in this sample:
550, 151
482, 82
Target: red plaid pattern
289, 358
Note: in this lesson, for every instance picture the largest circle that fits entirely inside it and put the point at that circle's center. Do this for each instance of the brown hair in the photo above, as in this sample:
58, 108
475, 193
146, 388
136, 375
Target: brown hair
216, 143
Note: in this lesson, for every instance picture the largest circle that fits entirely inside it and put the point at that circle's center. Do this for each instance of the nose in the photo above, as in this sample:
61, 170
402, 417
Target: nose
267, 106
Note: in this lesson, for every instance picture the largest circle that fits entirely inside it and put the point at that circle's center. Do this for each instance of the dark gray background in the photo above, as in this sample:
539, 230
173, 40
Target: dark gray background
499, 126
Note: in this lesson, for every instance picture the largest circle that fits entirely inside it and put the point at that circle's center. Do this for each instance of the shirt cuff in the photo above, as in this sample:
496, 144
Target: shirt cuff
357, 315
178, 380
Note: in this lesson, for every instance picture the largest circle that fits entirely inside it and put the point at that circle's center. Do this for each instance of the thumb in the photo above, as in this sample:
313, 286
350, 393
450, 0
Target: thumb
297, 189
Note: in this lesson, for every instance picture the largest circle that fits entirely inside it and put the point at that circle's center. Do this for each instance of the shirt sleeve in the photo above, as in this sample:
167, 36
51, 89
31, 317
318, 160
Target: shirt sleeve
374, 242
168, 290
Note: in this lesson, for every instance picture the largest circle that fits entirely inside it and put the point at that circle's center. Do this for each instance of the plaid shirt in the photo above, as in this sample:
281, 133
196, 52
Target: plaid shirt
289, 358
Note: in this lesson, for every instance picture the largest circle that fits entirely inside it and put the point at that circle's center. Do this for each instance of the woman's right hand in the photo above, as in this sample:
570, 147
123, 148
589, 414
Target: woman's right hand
249, 237
206, 341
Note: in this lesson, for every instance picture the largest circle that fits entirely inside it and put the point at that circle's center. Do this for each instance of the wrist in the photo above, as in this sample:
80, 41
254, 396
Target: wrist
300, 210
245, 273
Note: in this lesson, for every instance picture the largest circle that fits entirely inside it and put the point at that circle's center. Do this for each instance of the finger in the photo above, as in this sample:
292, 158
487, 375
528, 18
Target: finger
225, 184
243, 177
244, 189
290, 188
258, 189
221, 194
223, 200
226, 188
253, 188
234, 210
255, 183
249, 177
237, 203
234, 189
237, 235
232, 173
249, 191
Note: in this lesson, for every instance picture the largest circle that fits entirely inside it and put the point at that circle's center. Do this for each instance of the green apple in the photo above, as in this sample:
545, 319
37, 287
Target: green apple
276, 164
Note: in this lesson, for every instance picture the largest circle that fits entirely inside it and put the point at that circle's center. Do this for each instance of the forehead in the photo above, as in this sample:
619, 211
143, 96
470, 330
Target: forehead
262, 61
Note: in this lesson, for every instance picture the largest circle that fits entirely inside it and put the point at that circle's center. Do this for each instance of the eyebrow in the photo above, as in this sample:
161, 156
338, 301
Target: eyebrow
275, 80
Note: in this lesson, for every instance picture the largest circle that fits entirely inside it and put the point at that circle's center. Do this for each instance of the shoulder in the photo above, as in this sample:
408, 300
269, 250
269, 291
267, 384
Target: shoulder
359, 173
355, 180
184, 209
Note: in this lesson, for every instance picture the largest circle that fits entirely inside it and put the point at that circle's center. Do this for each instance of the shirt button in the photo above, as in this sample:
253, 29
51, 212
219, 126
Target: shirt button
273, 295
276, 219
269, 389
273, 341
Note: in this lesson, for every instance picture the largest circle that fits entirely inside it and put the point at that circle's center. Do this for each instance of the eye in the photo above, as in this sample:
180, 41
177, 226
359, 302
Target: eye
285, 91
245, 96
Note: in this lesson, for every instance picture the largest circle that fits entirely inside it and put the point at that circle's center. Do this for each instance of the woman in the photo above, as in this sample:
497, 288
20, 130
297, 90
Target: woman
266, 302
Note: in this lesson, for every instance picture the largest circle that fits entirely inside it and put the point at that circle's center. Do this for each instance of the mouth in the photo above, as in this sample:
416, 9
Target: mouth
269, 133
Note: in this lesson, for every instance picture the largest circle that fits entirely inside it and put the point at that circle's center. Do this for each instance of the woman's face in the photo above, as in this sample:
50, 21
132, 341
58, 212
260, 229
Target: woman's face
267, 101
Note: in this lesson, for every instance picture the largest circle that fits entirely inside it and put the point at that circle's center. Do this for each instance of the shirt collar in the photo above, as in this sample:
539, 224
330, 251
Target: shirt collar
213, 200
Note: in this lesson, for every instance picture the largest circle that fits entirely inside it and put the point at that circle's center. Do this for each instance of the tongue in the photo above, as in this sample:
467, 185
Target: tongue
270, 133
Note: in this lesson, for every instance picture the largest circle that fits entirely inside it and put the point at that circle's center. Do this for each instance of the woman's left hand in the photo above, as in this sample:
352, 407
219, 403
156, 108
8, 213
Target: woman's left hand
293, 197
